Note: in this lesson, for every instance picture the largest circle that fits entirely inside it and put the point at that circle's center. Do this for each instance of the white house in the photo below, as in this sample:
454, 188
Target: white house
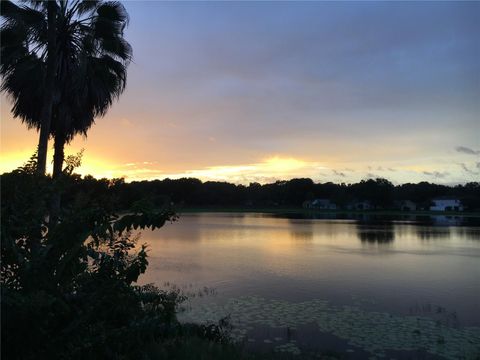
322, 204
446, 205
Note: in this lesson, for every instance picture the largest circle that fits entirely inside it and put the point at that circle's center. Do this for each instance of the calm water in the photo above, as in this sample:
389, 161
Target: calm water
276, 268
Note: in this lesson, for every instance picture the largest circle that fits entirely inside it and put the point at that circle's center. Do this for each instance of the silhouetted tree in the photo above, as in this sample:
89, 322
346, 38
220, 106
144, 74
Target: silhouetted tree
28, 65
92, 67
379, 192
90, 63
297, 190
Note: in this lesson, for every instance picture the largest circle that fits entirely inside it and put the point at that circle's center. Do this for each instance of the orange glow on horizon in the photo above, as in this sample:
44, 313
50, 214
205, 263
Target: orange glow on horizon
267, 170
272, 167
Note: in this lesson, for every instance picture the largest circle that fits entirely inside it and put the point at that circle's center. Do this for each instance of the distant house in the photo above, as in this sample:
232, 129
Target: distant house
321, 204
360, 205
446, 204
405, 205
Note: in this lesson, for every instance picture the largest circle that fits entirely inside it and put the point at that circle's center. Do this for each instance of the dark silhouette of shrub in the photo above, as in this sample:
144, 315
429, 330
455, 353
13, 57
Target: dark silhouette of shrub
69, 285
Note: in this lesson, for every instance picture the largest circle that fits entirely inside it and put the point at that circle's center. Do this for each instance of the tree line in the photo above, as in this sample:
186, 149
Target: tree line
192, 192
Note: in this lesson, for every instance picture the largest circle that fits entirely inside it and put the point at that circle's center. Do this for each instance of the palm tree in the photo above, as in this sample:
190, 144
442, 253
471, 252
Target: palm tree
28, 39
46, 116
91, 57
92, 69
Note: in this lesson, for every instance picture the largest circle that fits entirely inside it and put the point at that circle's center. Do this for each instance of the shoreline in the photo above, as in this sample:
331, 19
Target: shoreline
290, 210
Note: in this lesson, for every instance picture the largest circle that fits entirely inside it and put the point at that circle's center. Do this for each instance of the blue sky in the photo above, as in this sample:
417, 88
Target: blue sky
255, 91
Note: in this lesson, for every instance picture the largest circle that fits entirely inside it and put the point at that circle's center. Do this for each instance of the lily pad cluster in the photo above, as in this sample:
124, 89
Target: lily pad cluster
374, 332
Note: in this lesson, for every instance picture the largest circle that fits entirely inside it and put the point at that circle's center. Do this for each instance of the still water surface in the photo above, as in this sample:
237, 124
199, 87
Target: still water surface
288, 265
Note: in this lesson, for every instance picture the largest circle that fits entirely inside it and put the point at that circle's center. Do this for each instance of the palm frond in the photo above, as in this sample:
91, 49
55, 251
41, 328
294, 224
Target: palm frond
113, 11
92, 59
24, 86
13, 13
117, 47
87, 6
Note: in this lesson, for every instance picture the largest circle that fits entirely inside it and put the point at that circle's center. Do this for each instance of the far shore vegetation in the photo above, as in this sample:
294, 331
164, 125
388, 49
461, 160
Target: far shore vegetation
372, 196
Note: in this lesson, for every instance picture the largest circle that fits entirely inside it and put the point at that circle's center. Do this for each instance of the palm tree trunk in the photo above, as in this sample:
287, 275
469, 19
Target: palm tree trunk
46, 116
59, 155
58, 158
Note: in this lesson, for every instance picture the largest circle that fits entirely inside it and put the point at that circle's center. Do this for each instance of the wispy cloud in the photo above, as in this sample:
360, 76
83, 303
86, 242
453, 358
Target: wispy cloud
338, 173
437, 174
467, 150
468, 170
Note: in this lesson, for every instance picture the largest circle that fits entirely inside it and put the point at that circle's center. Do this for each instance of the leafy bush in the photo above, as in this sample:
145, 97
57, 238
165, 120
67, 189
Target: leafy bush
68, 281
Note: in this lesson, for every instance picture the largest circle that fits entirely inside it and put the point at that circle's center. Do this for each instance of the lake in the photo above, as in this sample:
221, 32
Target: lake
355, 288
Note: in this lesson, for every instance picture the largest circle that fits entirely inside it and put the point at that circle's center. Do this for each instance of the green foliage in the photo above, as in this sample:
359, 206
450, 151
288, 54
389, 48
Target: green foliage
69, 285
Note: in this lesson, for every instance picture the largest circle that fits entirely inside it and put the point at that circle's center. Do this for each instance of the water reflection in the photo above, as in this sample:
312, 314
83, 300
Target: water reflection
433, 233
301, 230
380, 234
443, 220
296, 259
469, 233
374, 218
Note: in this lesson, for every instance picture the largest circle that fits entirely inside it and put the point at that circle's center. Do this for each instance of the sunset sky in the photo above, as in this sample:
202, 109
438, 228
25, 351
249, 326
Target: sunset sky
260, 91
